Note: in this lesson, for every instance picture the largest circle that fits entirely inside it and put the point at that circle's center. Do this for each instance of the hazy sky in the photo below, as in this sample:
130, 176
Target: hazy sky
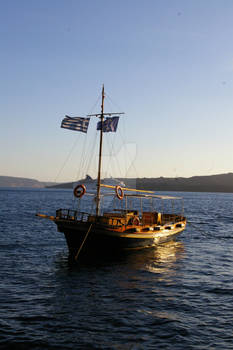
168, 64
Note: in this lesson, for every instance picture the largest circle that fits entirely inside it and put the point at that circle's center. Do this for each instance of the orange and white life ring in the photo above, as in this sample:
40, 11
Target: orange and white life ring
79, 191
136, 221
119, 192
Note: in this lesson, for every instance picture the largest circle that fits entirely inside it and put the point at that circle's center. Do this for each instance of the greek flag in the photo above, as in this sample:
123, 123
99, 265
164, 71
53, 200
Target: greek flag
109, 124
77, 123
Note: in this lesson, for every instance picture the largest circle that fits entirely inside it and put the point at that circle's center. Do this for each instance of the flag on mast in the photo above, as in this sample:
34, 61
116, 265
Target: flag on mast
109, 124
77, 123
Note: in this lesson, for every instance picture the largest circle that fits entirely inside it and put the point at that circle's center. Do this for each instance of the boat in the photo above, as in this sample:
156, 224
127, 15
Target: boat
129, 224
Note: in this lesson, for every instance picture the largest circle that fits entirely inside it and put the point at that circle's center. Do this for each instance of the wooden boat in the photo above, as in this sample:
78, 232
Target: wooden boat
124, 227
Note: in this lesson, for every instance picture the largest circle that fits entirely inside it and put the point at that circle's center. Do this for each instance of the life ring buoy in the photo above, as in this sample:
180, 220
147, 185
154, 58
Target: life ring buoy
79, 191
119, 192
136, 221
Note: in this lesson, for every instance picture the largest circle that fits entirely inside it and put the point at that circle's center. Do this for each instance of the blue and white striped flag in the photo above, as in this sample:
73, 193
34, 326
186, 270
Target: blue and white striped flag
109, 124
77, 123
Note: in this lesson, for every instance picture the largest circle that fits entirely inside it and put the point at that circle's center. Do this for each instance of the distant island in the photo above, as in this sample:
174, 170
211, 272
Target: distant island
11, 181
209, 183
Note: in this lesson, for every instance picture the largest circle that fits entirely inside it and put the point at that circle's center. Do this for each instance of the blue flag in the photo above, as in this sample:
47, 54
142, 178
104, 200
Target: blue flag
77, 123
109, 124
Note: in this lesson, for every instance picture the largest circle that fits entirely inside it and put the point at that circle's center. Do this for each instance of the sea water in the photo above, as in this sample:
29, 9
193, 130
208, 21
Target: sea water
177, 296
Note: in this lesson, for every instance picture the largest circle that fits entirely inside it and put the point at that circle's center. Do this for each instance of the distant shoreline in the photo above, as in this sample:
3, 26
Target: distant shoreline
210, 183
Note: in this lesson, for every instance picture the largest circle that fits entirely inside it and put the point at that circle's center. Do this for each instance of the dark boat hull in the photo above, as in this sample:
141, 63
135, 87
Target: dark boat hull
100, 239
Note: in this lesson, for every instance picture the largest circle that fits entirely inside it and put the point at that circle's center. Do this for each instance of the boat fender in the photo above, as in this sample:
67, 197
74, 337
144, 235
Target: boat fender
159, 219
79, 191
119, 192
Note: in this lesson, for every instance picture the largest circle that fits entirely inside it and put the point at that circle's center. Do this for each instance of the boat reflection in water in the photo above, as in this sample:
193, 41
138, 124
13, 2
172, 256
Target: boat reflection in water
165, 257
158, 260
152, 269
167, 253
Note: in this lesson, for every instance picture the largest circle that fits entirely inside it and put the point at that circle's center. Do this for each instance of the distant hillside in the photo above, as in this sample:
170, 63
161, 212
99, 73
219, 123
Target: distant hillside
10, 181
88, 181
211, 183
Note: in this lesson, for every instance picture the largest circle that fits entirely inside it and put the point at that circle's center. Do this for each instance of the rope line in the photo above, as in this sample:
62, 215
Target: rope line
67, 158
79, 173
80, 248
92, 153
114, 103
98, 99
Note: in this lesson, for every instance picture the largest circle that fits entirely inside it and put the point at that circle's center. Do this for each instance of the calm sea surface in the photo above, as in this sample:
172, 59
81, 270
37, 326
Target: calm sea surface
178, 296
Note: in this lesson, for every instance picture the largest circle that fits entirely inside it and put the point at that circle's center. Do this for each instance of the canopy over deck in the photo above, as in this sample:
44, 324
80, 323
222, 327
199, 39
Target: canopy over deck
151, 196
138, 194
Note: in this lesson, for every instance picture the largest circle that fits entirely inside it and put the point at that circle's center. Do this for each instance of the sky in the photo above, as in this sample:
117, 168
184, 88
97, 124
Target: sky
168, 64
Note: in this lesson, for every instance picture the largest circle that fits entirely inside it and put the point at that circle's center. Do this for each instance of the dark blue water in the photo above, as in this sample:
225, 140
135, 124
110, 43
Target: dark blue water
178, 296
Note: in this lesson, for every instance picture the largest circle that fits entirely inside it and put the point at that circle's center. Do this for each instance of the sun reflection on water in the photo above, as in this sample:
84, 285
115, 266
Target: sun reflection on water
165, 256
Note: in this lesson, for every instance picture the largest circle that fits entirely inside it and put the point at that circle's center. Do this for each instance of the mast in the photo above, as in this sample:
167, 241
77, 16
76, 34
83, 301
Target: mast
100, 155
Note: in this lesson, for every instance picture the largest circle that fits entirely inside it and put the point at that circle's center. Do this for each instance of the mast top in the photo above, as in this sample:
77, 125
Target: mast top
102, 105
102, 114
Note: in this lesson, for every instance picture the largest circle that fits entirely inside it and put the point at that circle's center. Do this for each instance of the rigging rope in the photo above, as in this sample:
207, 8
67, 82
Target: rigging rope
92, 153
126, 154
67, 158
112, 141
111, 162
79, 173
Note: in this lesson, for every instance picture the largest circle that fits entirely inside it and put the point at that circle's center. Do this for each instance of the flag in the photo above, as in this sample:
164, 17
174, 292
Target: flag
109, 124
77, 124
